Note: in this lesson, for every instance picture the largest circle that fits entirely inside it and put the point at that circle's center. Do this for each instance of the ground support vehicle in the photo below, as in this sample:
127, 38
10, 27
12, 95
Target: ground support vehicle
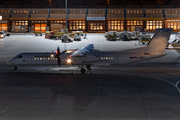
144, 35
77, 37
111, 36
124, 36
36, 33
134, 35
58, 35
67, 38
145, 40
47, 34
2, 34
80, 34
6, 33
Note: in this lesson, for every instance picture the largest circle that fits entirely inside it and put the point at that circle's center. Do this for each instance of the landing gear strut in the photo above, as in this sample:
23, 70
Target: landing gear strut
88, 66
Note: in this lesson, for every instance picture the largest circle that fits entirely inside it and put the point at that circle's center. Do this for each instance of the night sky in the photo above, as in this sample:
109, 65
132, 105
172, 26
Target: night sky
90, 2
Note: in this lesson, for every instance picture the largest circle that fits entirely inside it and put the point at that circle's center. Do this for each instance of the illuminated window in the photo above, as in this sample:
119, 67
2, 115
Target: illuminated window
77, 25
141, 22
96, 26
131, 23
151, 25
34, 58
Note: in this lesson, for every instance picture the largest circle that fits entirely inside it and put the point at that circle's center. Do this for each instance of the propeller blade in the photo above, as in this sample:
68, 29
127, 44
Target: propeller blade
58, 56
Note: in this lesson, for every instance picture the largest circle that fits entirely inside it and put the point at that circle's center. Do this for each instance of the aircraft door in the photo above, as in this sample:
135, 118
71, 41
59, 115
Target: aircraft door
29, 60
25, 59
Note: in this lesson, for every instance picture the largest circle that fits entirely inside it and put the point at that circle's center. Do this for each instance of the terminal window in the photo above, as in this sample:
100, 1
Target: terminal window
115, 11
4, 11
115, 25
96, 26
151, 25
19, 22
135, 23
77, 25
174, 25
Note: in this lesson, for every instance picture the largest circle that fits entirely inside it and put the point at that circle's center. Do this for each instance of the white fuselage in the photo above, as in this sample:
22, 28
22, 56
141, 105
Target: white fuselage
93, 58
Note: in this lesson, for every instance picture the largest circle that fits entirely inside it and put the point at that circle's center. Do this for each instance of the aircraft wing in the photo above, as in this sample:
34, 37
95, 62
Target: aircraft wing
82, 52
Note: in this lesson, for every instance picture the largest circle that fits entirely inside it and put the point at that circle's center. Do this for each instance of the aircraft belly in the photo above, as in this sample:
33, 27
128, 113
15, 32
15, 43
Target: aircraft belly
44, 62
99, 62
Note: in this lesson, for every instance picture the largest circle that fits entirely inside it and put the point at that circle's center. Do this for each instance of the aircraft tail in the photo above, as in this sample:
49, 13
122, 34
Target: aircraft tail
159, 41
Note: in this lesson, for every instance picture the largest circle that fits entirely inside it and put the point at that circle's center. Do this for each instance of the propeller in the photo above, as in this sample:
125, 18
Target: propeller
58, 57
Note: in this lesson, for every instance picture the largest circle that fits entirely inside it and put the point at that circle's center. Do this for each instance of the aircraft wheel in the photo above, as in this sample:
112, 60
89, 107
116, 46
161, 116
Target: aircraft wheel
83, 70
15, 67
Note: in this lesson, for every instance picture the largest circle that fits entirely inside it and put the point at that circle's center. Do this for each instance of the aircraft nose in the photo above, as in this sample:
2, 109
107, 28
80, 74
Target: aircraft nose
9, 62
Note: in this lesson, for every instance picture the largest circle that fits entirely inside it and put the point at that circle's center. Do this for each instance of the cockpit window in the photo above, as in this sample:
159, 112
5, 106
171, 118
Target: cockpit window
19, 56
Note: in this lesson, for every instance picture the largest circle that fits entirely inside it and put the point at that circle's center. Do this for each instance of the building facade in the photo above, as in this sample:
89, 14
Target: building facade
90, 18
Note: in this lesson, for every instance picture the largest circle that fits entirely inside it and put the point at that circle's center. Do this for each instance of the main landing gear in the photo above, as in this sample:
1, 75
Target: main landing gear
88, 69
83, 70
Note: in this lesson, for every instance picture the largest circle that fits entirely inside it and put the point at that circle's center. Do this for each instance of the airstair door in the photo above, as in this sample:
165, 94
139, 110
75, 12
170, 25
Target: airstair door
29, 60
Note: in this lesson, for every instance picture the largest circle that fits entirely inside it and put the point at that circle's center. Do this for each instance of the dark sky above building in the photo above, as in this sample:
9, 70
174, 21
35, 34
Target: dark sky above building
90, 2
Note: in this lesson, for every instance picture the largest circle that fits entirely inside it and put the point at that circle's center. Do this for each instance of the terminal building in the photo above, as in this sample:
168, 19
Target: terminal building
89, 18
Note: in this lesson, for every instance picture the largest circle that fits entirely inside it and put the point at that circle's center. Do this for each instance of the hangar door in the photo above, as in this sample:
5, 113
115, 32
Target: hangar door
3, 27
40, 27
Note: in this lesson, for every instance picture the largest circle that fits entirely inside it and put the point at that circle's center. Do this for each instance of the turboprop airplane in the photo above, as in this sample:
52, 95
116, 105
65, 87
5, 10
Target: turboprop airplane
89, 56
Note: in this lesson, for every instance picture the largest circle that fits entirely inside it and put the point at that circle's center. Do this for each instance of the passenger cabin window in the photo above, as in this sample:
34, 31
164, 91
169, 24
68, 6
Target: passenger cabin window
106, 58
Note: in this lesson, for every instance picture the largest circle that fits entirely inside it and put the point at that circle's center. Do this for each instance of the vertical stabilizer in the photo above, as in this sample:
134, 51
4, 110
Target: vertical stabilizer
159, 41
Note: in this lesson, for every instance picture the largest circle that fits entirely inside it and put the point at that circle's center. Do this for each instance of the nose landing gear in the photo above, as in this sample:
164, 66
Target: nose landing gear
15, 67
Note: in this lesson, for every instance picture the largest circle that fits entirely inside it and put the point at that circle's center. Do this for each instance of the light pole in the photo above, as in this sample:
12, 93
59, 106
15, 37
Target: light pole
66, 14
